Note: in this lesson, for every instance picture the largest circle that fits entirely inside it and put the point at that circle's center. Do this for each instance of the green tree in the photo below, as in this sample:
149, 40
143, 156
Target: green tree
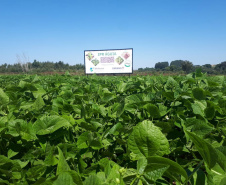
187, 66
161, 65
207, 66
221, 67
177, 63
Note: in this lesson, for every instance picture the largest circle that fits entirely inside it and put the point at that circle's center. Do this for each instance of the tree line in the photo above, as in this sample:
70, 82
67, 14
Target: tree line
37, 66
186, 66
176, 66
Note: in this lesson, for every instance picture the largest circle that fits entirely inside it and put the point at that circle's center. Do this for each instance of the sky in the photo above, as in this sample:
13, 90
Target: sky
157, 30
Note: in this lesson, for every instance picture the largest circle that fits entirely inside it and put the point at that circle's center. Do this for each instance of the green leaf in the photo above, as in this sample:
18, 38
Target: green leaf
50, 159
4, 99
198, 108
118, 108
36, 172
11, 153
93, 180
199, 127
174, 170
223, 181
153, 110
210, 155
68, 178
107, 97
200, 178
49, 124
99, 109
113, 129
3, 121
20, 127
171, 84
62, 164
210, 112
4, 160
114, 173
82, 140
4, 182
207, 152
199, 94
129, 176
133, 99
121, 87
141, 165
154, 172
39, 103
147, 140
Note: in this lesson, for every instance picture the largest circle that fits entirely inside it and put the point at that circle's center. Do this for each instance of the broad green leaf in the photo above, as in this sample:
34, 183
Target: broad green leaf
39, 92
50, 159
38, 104
21, 128
198, 108
99, 109
4, 99
174, 169
141, 165
105, 166
118, 108
36, 172
49, 124
93, 179
4, 160
208, 153
21, 163
122, 87
200, 178
129, 176
68, 178
147, 140
215, 81
62, 164
26, 85
133, 99
209, 112
114, 173
26, 105
199, 127
171, 84
153, 110
223, 181
11, 153
154, 172
199, 94
83, 140
4, 182
81, 165
3, 121
107, 97
113, 129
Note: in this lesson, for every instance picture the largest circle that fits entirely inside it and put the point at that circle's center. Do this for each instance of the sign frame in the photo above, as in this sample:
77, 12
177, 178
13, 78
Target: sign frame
106, 50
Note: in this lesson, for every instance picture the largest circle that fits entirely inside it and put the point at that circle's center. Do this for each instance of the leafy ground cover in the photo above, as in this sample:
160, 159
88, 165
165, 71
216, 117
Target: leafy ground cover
141, 130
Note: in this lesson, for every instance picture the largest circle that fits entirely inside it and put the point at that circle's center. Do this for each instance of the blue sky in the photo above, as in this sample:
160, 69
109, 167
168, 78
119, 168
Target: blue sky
157, 30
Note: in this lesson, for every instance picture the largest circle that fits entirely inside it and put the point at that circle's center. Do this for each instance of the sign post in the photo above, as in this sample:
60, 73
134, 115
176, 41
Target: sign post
111, 61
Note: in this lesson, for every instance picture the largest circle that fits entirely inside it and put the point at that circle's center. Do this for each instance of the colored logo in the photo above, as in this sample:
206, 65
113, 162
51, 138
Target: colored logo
127, 64
91, 69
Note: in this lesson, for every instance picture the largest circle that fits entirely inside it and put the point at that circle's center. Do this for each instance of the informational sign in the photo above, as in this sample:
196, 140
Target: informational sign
108, 61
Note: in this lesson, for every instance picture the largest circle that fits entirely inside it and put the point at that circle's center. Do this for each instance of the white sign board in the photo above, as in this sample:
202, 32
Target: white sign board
108, 61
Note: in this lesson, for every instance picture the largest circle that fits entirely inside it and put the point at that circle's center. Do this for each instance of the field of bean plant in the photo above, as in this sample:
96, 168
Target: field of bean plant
112, 130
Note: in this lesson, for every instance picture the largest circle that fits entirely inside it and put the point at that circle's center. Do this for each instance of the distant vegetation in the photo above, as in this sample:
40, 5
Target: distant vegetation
175, 67
184, 66
39, 67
